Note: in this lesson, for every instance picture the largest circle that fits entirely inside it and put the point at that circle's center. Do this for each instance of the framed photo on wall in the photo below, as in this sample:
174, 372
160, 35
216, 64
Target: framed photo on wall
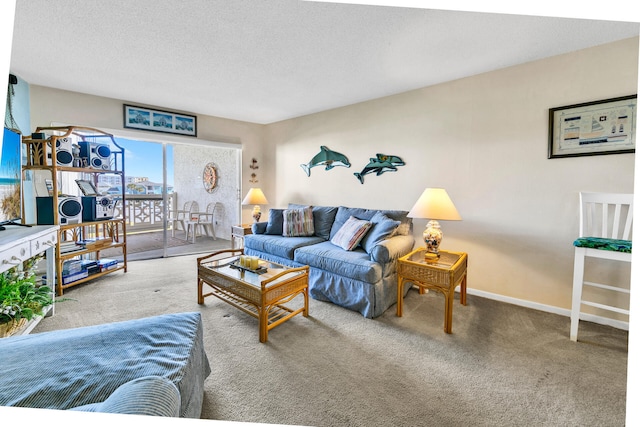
593, 128
159, 121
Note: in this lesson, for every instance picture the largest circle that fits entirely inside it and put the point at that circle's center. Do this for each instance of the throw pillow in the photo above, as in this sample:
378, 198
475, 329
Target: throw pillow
323, 217
352, 231
382, 228
405, 227
275, 222
297, 222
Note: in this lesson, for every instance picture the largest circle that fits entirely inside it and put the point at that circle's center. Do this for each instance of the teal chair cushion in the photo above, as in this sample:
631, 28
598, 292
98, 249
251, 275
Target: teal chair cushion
615, 245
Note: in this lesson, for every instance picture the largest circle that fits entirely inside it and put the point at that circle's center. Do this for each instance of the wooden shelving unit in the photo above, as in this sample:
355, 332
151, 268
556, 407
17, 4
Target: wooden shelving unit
57, 150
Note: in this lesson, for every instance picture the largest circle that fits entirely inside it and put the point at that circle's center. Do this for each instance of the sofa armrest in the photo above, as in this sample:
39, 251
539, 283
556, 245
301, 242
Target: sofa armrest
392, 248
259, 227
151, 395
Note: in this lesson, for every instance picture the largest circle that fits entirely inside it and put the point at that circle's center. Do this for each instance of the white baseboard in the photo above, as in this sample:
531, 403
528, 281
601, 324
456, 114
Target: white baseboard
619, 324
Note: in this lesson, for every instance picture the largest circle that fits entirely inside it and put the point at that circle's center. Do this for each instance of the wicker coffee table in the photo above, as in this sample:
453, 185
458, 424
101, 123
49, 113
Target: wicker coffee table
261, 294
443, 276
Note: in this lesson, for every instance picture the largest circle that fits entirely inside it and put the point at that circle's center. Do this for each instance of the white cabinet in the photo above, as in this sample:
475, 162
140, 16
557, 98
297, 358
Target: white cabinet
18, 244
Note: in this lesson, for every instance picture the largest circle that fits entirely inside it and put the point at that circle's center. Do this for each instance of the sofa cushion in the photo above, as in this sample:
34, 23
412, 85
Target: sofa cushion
382, 227
275, 222
344, 213
297, 222
149, 395
329, 257
283, 247
323, 217
351, 232
93, 361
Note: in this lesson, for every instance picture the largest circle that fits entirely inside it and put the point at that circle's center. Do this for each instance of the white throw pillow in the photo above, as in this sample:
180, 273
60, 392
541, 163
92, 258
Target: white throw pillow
352, 231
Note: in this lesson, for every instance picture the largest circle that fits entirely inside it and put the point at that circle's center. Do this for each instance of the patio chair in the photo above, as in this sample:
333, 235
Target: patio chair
179, 216
605, 232
206, 221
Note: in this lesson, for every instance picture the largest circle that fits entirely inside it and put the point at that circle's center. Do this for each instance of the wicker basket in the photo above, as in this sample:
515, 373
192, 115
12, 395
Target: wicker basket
11, 328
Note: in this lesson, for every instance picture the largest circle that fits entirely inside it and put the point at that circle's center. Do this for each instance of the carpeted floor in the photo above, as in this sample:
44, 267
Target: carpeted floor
503, 365
148, 245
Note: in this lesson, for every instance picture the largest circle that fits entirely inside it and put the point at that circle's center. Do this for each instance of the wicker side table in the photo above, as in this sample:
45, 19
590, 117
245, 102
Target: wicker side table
443, 276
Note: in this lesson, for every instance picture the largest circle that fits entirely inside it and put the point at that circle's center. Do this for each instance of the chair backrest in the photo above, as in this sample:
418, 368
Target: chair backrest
212, 210
185, 213
606, 215
193, 207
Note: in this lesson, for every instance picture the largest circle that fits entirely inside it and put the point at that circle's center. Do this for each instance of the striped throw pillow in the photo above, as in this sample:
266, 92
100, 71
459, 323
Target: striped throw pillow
297, 222
352, 231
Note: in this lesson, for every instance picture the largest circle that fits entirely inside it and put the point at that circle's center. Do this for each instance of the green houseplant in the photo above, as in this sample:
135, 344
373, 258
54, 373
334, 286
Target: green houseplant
21, 298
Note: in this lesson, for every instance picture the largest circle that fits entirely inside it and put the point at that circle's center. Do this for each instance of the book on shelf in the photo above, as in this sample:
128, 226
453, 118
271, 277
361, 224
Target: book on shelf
67, 247
74, 277
94, 243
69, 278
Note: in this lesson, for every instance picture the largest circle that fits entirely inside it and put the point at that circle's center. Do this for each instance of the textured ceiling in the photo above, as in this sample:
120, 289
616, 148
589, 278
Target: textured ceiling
264, 61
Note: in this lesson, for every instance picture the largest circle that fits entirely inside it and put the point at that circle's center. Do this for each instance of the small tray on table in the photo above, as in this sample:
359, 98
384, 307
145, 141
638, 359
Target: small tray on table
259, 270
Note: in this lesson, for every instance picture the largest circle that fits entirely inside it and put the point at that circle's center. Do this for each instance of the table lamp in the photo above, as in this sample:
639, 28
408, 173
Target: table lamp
434, 204
255, 197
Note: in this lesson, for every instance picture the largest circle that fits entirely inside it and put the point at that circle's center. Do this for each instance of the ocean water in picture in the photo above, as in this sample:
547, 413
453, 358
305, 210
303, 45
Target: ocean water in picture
10, 176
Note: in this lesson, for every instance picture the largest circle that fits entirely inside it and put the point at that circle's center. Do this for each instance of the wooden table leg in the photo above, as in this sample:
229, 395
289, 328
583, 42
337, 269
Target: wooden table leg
400, 299
200, 297
262, 323
463, 290
448, 311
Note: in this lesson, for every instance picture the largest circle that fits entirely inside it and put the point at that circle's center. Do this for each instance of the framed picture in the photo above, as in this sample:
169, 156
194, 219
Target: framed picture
593, 128
159, 121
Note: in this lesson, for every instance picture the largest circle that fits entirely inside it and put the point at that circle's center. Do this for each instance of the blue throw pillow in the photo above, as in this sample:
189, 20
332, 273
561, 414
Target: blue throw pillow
344, 213
274, 224
382, 228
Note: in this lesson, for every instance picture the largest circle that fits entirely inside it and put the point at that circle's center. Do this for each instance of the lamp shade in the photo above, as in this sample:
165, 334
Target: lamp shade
255, 196
435, 203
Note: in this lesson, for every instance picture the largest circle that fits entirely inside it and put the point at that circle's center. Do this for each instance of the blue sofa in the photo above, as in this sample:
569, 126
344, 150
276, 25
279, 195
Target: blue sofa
151, 366
363, 279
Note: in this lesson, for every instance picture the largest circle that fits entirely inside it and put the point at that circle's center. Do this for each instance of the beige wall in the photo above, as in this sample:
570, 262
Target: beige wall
484, 139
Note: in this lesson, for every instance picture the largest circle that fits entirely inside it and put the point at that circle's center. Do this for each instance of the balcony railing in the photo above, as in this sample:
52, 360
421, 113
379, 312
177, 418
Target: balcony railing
145, 211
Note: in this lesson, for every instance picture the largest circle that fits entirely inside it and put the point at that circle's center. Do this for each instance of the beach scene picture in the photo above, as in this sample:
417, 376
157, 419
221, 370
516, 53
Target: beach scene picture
185, 124
139, 117
159, 121
164, 121
10, 176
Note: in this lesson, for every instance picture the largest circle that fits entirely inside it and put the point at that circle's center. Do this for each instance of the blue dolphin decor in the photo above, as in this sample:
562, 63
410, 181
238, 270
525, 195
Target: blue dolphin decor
380, 164
328, 158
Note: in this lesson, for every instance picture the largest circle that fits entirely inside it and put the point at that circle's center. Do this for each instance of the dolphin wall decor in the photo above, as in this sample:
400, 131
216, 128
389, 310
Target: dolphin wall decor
380, 164
328, 158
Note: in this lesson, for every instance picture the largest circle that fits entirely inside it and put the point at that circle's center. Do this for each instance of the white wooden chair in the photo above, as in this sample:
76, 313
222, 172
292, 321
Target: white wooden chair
605, 232
179, 216
204, 220
207, 220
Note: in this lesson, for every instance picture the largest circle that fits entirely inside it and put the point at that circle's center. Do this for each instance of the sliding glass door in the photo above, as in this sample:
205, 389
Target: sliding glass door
180, 198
